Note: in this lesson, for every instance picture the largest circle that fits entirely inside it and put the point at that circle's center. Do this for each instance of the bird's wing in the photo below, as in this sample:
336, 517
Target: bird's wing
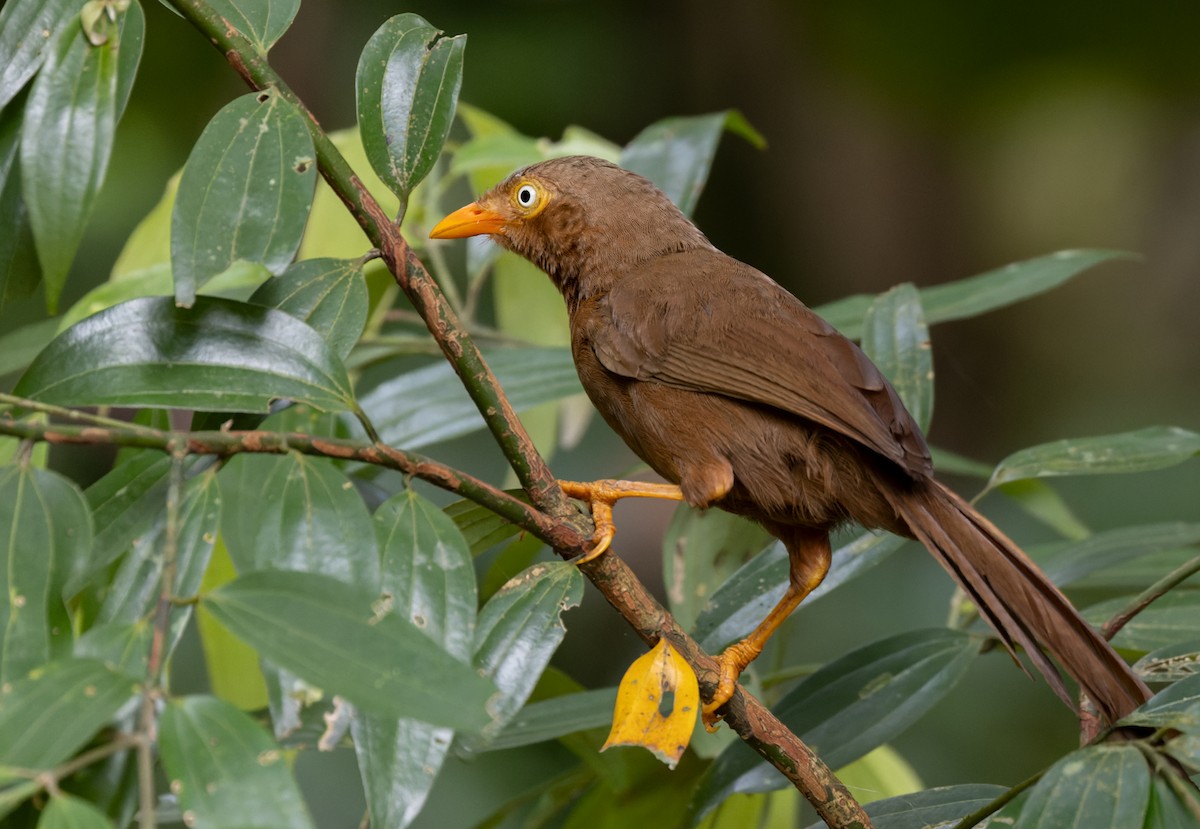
672, 321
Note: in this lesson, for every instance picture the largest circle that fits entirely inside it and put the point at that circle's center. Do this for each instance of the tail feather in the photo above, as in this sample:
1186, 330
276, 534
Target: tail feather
1018, 600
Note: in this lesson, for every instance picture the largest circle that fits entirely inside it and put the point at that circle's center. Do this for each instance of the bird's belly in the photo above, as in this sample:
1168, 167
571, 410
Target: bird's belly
786, 470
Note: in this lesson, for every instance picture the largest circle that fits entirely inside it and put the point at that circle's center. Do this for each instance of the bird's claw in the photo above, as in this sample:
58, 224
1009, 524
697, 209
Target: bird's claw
600, 497
730, 664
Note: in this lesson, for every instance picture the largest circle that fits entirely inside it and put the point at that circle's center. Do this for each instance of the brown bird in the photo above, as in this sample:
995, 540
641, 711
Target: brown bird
731, 388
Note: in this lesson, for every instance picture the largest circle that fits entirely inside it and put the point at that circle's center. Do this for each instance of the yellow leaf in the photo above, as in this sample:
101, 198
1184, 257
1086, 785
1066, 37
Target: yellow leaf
657, 703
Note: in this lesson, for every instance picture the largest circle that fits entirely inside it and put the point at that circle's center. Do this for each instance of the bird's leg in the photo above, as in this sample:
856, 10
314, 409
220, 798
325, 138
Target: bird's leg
809, 554
601, 495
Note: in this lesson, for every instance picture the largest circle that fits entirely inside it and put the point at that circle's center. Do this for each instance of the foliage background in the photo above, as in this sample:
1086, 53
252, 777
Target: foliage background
918, 143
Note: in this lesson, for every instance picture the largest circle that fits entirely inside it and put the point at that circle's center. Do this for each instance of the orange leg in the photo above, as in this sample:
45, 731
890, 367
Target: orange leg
809, 555
601, 495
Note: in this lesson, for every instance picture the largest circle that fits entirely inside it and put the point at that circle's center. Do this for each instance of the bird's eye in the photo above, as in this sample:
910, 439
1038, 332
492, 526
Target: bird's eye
527, 195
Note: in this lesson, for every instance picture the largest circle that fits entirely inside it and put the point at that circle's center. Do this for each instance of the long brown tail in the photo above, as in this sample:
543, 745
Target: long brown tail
1017, 599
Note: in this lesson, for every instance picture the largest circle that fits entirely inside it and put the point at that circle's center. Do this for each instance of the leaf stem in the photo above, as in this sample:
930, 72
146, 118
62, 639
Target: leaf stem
976, 817
1148, 596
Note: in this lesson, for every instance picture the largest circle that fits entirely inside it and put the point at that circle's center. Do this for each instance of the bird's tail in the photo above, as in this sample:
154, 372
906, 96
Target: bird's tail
1018, 600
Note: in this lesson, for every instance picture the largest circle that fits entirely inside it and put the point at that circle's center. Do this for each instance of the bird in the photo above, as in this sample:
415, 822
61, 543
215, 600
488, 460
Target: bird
743, 398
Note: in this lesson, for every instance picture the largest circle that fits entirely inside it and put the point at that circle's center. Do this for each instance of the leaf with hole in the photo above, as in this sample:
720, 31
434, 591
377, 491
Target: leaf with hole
245, 192
408, 81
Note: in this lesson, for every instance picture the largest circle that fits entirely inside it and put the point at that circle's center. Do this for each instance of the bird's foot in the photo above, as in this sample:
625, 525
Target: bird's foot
730, 664
601, 495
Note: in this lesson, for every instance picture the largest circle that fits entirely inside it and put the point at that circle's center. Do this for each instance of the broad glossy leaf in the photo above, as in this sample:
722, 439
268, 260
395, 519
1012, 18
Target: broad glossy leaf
408, 81
1176, 706
931, 807
1100, 787
332, 635
225, 770
557, 717
297, 512
235, 673
67, 812
1172, 619
67, 137
743, 601
429, 405
429, 579
48, 714
979, 294
45, 536
245, 192
518, 631
896, 338
218, 355
328, 294
677, 153
123, 647
850, 706
27, 29
1168, 809
701, 550
20, 272
1144, 450
261, 21
1067, 563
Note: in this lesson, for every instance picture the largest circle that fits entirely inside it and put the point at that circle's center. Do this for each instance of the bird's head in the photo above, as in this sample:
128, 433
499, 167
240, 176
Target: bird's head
576, 218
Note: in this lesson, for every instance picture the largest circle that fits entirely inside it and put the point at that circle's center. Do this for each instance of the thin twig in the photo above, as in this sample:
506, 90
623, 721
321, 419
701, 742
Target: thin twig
980, 814
1148, 596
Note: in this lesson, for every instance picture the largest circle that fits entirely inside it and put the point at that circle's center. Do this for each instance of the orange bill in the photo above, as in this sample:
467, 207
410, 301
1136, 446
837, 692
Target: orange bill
472, 220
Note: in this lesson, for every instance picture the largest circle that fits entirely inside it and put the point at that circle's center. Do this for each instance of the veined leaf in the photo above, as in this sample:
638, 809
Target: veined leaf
896, 338
931, 807
261, 21
67, 812
245, 193
225, 770
304, 621
20, 272
27, 29
1101, 787
219, 355
408, 81
328, 294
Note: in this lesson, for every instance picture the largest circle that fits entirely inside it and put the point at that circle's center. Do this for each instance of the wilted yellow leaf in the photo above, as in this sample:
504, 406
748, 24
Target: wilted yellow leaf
657, 703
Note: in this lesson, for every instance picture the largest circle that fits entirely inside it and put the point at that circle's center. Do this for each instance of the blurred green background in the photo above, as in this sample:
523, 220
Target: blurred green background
921, 142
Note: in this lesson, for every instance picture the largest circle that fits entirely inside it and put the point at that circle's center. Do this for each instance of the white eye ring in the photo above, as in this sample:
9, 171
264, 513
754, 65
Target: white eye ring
527, 195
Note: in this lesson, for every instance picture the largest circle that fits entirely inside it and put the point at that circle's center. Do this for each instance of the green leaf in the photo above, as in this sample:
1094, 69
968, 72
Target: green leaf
429, 405
45, 536
1170, 664
737, 606
234, 670
313, 520
553, 718
677, 153
134, 590
896, 338
1144, 450
262, 22
245, 193
67, 812
428, 578
1098, 787
305, 622
979, 294
518, 631
701, 549
850, 706
1042, 502
122, 647
879, 774
1176, 706
408, 80
48, 714
20, 272
941, 806
1172, 619
1171, 807
66, 141
27, 30
328, 294
482, 528
218, 355
225, 770
1067, 563
19, 346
